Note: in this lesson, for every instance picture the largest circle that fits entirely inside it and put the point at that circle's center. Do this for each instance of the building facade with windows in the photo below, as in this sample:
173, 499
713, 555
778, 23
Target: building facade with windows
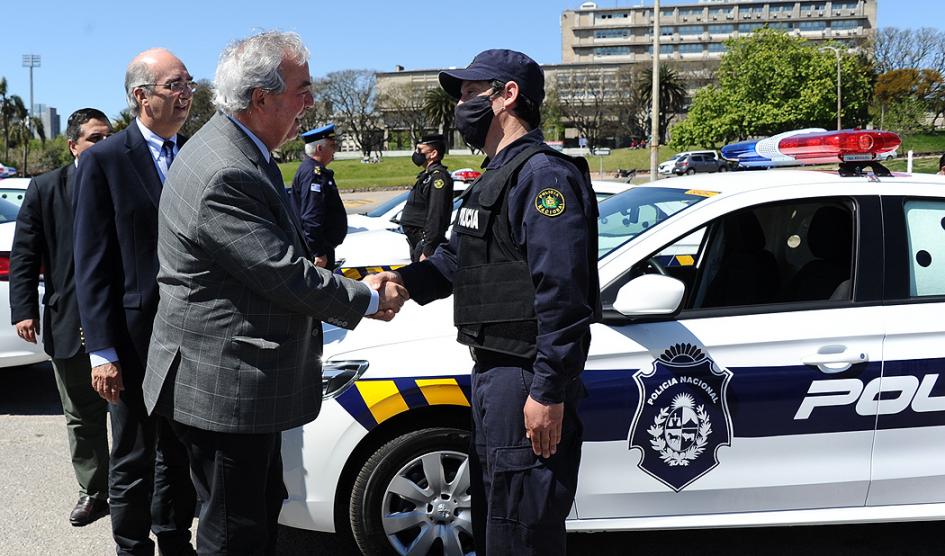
692, 34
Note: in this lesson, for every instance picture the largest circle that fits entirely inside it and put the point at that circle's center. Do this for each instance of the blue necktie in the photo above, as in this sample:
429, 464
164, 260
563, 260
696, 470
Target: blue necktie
167, 154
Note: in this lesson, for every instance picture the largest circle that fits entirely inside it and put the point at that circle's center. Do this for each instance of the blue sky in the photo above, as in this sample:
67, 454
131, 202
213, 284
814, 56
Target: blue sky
85, 46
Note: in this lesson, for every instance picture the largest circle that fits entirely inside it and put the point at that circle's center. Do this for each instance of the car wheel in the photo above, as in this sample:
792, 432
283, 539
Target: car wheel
690, 171
723, 168
412, 496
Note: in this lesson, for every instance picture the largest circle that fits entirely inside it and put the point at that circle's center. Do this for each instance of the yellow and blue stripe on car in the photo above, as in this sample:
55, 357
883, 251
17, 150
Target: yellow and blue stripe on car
359, 272
373, 401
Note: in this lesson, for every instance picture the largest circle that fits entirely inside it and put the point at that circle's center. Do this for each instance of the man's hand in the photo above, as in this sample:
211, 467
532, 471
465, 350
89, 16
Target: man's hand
321, 261
391, 292
423, 257
106, 380
28, 329
543, 426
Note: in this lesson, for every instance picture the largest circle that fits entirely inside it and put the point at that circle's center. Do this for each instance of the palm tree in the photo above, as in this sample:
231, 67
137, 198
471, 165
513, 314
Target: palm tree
439, 106
673, 96
14, 114
5, 110
123, 120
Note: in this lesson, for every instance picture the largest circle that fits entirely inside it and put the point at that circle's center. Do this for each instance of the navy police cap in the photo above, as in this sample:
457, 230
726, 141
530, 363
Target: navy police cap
324, 132
499, 64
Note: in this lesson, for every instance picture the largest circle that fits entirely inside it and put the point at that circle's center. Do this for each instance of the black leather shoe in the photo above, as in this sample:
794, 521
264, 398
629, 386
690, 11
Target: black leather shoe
87, 510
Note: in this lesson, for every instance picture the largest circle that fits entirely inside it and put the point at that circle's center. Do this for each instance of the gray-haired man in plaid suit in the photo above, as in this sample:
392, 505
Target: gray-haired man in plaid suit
234, 356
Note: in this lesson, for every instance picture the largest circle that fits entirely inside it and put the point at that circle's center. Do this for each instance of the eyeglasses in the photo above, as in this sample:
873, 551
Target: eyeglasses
176, 87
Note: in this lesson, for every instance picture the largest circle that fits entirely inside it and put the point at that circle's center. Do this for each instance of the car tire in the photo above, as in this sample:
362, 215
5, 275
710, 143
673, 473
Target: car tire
723, 168
396, 507
690, 171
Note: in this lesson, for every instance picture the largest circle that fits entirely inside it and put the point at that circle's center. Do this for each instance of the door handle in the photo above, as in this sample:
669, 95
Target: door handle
831, 360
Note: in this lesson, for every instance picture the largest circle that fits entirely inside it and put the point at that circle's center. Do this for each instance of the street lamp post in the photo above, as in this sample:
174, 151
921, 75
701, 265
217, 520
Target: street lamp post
31, 61
836, 52
655, 95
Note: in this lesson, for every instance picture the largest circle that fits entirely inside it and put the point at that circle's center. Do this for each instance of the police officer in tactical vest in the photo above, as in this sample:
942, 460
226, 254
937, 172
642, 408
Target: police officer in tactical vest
316, 199
430, 203
521, 264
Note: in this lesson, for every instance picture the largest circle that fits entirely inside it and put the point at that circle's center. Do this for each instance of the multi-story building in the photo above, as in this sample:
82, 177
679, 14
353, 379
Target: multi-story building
694, 33
50, 118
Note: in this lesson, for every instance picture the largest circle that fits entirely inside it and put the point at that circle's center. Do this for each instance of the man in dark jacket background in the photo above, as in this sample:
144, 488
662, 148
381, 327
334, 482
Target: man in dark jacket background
43, 243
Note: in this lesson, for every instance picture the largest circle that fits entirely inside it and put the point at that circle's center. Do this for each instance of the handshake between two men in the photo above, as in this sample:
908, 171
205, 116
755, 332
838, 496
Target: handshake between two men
391, 294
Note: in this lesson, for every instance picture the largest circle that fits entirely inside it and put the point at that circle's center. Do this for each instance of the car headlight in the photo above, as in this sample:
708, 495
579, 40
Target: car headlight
337, 376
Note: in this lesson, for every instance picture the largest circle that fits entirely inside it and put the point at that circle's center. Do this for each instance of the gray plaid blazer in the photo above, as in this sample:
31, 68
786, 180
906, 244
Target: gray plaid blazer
237, 337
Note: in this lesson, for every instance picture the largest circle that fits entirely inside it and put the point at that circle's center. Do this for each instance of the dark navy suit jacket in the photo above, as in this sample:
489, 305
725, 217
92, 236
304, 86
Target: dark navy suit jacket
116, 200
43, 240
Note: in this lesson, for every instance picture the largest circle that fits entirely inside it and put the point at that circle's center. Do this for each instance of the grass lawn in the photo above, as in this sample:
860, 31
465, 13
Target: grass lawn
395, 172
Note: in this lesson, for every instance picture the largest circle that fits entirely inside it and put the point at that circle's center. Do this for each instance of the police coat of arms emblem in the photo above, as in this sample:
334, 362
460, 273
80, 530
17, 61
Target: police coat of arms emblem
682, 417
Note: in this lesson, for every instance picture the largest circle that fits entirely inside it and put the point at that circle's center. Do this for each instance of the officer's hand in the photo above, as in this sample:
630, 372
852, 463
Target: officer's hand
543, 426
423, 257
106, 380
28, 329
391, 294
321, 261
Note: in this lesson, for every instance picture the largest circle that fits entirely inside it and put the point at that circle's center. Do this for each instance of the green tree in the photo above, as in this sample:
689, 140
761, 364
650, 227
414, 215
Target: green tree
439, 106
123, 120
770, 82
673, 96
201, 108
551, 123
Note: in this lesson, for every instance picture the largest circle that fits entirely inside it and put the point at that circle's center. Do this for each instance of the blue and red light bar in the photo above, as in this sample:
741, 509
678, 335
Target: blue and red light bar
813, 146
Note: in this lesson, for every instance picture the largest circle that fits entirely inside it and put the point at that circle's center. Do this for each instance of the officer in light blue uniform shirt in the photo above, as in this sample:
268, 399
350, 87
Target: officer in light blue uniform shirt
315, 197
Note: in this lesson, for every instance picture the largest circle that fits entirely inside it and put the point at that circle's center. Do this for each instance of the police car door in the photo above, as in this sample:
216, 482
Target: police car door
720, 408
908, 458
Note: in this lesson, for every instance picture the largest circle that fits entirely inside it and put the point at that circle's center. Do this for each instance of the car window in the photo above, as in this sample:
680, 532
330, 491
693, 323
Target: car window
8, 211
925, 231
627, 215
14, 196
777, 253
383, 208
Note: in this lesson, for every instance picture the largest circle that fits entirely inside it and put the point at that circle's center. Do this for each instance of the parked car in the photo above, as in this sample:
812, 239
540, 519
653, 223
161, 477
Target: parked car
770, 354
13, 350
699, 164
666, 168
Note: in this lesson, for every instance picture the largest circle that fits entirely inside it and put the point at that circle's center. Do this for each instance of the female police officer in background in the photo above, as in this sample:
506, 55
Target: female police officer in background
522, 266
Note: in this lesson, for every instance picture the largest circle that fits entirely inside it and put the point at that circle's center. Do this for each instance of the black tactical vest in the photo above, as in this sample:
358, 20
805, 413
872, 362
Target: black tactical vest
493, 293
415, 209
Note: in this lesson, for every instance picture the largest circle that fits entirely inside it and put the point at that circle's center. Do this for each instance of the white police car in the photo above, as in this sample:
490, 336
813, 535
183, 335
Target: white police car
770, 354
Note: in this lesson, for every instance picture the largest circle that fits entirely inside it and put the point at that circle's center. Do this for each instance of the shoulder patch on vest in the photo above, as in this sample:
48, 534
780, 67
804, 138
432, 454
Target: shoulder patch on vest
438, 183
550, 202
317, 170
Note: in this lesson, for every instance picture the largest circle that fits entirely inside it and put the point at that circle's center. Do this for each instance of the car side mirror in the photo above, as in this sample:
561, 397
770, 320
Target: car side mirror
649, 295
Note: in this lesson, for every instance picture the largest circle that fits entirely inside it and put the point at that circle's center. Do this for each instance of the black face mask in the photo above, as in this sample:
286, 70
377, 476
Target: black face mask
418, 158
473, 119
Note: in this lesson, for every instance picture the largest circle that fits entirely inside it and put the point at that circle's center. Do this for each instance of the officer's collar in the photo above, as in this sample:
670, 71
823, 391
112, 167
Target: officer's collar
531, 138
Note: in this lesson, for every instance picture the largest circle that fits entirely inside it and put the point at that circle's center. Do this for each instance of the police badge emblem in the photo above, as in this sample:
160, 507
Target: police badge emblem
682, 416
549, 202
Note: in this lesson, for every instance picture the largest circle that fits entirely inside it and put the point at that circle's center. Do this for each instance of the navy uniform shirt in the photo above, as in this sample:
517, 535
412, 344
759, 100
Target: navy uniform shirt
317, 202
555, 249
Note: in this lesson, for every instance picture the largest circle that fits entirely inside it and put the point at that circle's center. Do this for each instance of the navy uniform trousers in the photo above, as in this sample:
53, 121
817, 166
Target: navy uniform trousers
519, 500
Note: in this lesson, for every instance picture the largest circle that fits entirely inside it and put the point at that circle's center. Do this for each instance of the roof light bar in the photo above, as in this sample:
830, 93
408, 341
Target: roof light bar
813, 146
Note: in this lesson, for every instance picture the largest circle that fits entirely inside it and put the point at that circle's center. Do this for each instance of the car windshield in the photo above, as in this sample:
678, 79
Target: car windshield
8, 211
385, 207
629, 214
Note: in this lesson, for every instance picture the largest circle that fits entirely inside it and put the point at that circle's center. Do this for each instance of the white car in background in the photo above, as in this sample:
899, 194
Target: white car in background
770, 353
13, 349
368, 250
